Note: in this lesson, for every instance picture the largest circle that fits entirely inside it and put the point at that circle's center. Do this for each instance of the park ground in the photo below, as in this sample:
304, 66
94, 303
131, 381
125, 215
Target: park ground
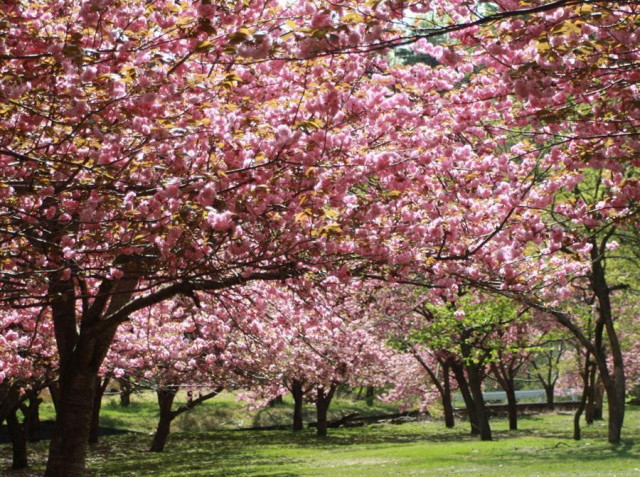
205, 443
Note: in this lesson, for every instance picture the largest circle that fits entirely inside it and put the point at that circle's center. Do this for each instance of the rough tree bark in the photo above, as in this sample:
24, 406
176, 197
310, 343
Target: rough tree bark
165, 403
101, 387
370, 395
32, 418
18, 440
549, 391
9, 399
475, 386
463, 386
447, 401
83, 349
506, 378
297, 391
166, 396
81, 354
323, 400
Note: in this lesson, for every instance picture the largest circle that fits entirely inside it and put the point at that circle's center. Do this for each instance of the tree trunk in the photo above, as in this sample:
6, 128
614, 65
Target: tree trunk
512, 408
18, 440
321, 416
81, 350
447, 404
475, 385
591, 395
31, 414
165, 402
101, 387
275, 401
323, 400
78, 377
598, 400
463, 386
549, 393
54, 392
369, 395
576, 417
616, 401
583, 399
614, 380
9, 399
443, 388
504, 374
125, 392
32, 423
67, 451
297, 392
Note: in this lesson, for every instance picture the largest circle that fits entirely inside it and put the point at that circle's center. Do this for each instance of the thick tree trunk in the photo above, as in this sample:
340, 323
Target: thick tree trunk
32, 418
463, 386
549, 393
165, 402
18, 440
9, 399
370, 395
475, 386
297, 392
321, 417
82, 350
323, 400
67, 451
101, 387
616, 400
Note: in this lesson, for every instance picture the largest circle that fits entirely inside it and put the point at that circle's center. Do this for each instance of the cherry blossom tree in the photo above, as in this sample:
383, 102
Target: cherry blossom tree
321, 339
171, 347
143, 161
566, 78
150, 151
28, 364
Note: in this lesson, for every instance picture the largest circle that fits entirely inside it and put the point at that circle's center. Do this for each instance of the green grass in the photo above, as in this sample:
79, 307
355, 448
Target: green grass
221, 412
542, 446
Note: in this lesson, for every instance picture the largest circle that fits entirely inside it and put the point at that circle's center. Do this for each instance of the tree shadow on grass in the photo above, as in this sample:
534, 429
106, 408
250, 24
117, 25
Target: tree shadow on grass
280, 453
263, 453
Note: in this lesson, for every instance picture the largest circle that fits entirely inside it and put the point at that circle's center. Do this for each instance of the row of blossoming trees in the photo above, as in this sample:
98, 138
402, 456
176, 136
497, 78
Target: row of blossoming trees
207, 159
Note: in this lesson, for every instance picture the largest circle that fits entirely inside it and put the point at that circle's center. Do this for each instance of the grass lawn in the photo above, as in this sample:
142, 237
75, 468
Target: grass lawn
542, 446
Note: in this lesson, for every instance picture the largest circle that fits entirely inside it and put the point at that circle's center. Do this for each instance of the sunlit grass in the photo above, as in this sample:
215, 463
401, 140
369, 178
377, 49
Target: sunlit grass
542, 446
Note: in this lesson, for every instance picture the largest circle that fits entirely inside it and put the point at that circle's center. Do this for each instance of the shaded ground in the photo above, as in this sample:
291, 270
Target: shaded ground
542, 447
